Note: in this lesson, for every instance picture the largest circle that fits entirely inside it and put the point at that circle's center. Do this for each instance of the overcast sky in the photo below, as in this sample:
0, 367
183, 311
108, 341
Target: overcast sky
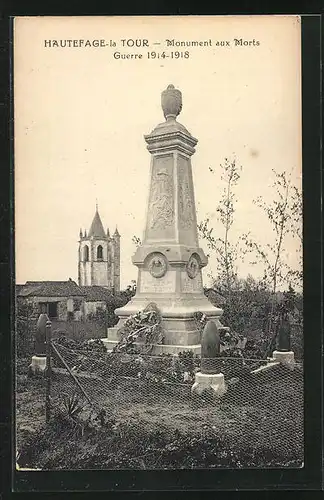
80, 118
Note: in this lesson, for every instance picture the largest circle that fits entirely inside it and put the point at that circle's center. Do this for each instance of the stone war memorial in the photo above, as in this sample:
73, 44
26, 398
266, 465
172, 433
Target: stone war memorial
169, 260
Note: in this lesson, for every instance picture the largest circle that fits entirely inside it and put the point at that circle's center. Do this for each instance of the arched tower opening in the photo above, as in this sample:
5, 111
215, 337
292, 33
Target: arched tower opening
86, 253
99, 252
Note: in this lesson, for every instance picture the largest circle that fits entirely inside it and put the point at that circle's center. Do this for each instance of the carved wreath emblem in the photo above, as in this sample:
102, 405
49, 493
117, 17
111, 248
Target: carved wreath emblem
157, 265
192, 267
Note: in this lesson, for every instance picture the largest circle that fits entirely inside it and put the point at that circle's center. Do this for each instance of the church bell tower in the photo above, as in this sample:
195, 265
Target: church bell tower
99, 256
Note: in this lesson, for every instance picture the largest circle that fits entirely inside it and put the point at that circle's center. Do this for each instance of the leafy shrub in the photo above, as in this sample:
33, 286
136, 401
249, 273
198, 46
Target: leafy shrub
253, 313
107, 315
25, 329
72, 406
70, 315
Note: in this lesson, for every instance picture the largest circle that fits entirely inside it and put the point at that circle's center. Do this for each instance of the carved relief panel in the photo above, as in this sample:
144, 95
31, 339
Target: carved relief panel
193, 267
157, 264
191, 285
160, 220
186, 204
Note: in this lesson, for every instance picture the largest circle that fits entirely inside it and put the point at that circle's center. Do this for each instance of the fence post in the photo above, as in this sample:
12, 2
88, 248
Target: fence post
48, 371
283, 353
72, 374
209, 377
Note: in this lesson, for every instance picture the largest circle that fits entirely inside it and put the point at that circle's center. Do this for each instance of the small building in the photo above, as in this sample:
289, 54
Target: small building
95, 297
60, 300
63, 300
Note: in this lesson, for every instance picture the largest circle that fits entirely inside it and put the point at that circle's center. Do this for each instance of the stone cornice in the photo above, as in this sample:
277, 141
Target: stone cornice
171, 141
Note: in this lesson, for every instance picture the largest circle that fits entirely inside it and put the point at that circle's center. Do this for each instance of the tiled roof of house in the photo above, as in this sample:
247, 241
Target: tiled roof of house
50, 289
96, 293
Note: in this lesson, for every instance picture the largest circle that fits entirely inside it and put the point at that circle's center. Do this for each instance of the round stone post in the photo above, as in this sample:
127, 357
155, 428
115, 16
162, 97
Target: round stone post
38, 364
209, 377
283, 353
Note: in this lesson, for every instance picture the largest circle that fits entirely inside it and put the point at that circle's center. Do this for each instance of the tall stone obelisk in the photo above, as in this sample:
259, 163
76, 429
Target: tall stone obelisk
169, 259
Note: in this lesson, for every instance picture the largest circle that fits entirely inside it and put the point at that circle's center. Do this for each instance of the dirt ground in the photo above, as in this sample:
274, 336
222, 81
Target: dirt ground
30, 409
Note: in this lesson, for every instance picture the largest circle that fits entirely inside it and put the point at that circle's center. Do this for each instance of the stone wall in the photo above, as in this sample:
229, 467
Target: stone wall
62, 310
91, 307
64, 304
79, 330
85, 273
100, 273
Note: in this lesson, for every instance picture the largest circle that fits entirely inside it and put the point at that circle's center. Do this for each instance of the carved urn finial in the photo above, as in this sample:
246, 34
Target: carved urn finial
171, 102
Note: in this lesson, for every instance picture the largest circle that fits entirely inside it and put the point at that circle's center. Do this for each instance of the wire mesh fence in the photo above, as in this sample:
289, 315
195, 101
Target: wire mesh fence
137, 411
126, 393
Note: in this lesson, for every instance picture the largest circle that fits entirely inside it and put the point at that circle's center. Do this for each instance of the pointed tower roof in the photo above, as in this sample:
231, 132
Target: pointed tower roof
96, 229
116, 233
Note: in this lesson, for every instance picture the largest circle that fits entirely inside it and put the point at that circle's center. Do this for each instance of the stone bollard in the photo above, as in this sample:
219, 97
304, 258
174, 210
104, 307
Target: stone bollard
38, 363
209, 377
283, 353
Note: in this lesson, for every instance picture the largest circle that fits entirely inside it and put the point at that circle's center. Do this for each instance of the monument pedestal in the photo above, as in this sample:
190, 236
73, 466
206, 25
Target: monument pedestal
203, 381
169, 260
178, 321
287, 358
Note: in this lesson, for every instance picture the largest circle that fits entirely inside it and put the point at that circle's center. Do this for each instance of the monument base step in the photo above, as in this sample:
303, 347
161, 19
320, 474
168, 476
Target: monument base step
159, 348
176, 337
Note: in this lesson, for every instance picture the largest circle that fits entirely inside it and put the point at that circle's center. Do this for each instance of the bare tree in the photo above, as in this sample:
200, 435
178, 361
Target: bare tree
296, 229
226, 251
283, 214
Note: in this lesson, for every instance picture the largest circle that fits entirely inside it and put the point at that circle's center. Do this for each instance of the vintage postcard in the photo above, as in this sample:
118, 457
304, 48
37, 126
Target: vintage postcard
158, 222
